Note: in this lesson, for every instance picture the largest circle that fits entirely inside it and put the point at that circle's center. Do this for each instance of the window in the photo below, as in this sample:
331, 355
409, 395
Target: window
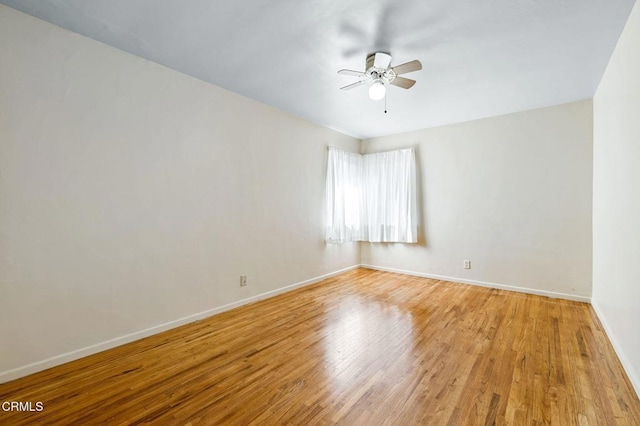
371, 197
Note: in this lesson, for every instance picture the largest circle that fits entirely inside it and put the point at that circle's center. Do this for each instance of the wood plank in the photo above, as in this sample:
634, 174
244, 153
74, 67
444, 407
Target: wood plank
366, 347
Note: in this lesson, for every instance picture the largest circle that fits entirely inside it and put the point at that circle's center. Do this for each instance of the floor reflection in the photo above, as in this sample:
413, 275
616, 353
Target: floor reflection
364, 335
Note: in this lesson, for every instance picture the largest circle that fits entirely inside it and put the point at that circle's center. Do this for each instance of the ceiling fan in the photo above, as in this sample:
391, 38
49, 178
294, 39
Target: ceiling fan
379, 74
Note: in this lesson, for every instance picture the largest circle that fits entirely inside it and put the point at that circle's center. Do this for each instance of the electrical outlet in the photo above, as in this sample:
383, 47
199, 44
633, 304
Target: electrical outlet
243, 280
467, 264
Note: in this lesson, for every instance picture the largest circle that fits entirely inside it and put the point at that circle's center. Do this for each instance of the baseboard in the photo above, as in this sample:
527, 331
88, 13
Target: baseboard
626, 364
526, 290
25, 370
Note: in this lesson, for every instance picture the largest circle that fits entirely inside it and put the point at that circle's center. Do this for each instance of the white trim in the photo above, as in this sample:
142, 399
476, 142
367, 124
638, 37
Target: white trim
526, 290
25, 370
626, 364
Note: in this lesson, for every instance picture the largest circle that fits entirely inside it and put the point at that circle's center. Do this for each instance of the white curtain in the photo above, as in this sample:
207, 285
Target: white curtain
371, 197
344, 197
390, 197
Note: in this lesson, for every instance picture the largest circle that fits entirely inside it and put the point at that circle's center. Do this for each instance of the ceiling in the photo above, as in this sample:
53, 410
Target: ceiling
480, 58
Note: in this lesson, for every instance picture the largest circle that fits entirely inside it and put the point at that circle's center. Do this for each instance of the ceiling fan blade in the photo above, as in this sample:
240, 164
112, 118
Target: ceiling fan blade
382, 60
354, 85
407, 67
351, 72
405, 83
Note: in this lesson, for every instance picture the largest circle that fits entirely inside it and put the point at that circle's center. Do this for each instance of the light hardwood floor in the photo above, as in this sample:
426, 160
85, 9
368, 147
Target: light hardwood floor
365, 347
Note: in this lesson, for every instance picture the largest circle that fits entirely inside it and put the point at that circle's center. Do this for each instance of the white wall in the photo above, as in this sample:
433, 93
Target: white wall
510, 193
616, 198
132, 195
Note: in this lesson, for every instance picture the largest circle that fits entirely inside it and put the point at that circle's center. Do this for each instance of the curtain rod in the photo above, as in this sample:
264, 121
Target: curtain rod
413, 148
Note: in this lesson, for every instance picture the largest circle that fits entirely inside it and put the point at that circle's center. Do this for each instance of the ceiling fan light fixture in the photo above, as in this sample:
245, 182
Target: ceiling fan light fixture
377, 90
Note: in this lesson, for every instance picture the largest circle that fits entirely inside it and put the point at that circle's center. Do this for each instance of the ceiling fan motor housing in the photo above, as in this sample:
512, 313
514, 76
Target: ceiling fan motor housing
374, 73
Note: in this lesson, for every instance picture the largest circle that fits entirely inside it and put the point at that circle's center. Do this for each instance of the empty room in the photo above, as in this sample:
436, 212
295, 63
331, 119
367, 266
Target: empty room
286, 212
